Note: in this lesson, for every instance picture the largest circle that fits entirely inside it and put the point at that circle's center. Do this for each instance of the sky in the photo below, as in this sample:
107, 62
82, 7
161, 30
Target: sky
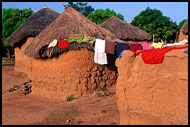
177, 11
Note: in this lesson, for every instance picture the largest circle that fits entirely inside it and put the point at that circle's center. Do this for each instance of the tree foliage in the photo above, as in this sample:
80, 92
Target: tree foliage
81, 7
153, 22
11, 20
100, 15
181, 23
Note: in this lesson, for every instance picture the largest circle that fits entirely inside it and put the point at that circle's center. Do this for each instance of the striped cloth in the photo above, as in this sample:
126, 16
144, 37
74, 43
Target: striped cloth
78, 37
89, 39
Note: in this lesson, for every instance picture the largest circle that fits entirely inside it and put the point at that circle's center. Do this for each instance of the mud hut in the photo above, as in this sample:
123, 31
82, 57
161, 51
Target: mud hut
25, 33
184, 31
70, 72
125, 31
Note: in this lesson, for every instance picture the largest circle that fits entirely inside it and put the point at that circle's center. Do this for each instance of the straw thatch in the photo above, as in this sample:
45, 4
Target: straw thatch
32, 26
185, 28
124, 30
69, 21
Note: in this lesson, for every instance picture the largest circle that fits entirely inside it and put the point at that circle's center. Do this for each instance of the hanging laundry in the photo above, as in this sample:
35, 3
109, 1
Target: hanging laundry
181, 43
110, 47
100, 56
154, 56
186, 51
63, 44
78, 37
51, 46
135, 47
157, 45
146, 46
53, 43
121, 47
120, 55
89, 39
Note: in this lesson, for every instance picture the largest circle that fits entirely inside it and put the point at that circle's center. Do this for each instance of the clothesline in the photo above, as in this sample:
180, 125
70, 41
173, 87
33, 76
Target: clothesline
151, 52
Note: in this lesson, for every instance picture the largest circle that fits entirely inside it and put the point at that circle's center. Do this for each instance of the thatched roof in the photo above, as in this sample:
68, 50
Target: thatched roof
69, 21
185, 27
124, 30
32, 26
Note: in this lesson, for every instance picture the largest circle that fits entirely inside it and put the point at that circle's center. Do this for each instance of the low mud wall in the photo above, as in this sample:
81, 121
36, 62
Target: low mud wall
182, 36
153, 94
23, 63
71, 73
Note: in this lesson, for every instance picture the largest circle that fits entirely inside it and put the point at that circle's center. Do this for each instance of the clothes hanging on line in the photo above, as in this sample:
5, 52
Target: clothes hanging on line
135, 47
53, 43
120, 55
157, 45
186, 51
154, 56
78, 37
146, 46
121, 47
110, 47
181, 43
63, 44
100, 56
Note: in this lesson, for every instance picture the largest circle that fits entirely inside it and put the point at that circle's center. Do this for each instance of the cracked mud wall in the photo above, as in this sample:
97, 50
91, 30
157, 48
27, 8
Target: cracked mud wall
71, 73
153, 94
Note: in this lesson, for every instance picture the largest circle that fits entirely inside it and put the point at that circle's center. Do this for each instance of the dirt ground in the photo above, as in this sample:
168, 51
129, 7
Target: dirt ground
19, 109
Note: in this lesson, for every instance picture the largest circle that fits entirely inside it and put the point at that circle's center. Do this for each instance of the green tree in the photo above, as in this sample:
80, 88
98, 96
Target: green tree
100, 15
153, 22
82, 7
181, 23
11, 20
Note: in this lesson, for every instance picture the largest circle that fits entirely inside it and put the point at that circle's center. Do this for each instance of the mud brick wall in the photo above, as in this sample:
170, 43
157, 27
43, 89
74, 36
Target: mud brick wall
72, 73
23, 63
153, 94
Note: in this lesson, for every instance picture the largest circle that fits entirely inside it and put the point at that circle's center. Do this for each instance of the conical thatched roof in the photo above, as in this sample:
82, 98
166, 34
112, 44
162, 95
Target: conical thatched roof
69, 21
185, 27
124, 30
32, 26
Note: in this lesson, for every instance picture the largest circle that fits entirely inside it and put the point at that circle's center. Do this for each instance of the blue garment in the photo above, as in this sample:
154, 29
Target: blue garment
186, 51
121, 47
120, 55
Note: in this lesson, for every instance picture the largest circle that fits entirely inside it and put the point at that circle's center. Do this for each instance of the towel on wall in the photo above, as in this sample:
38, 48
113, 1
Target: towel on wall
121, 47
135, 47
78, 37
146, 46
63, 44
110, 47
100, 56
154, 56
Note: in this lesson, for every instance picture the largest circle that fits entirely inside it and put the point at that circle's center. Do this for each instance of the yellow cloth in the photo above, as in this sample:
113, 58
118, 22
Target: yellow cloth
157, 45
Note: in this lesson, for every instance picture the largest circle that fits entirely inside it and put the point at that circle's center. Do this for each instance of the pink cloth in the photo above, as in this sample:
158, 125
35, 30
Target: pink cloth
146, 45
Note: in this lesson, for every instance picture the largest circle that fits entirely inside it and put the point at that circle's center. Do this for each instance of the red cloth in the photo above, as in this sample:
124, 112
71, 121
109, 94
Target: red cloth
135, 47
154, 56
63, 44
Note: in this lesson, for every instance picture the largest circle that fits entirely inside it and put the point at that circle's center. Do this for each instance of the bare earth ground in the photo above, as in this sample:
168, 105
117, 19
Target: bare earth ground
19, 109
